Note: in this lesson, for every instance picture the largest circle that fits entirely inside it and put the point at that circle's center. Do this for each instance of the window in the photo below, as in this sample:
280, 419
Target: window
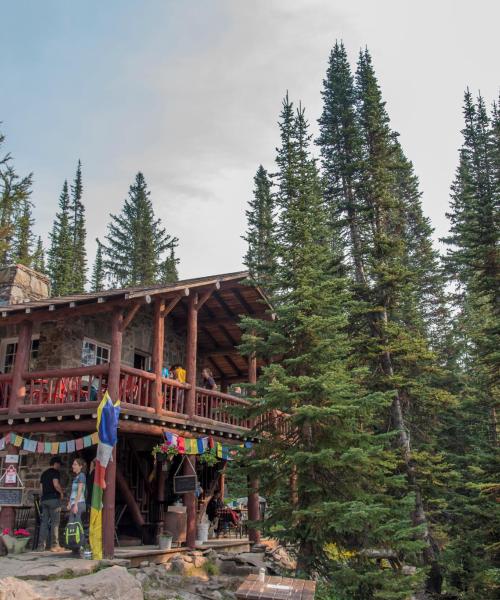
8, 350
142, 360
94, 353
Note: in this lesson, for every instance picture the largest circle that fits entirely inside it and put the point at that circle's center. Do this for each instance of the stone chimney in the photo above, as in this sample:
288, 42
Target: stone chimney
20, 284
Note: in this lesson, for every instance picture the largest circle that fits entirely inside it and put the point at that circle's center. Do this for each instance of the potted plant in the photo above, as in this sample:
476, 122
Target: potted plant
209, 458
164, 451
15, 540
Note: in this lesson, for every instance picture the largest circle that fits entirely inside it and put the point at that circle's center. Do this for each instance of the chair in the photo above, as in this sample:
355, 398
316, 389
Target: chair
22, 516
226, 524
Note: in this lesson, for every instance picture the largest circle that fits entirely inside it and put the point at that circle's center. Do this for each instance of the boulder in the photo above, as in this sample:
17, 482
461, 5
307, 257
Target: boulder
108, 584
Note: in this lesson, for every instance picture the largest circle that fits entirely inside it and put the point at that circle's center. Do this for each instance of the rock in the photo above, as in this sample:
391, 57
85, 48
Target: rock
108, 584
199, 561
141, 577
187, 558
179, 565
215, 595
144, 563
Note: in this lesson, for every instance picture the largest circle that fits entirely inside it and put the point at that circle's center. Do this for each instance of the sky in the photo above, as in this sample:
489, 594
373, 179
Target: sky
189, 92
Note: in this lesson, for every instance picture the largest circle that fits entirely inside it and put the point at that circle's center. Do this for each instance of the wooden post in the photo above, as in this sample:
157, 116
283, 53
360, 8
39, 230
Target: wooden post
108, 515
222, 482
253, 480
21, 363
189, 468
157, 358
191, 348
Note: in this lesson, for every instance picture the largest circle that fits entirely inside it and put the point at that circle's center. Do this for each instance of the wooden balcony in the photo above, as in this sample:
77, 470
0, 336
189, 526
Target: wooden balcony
53, 394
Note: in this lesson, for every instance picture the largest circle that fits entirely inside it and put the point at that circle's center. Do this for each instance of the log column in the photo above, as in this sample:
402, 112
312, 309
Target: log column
189, 468
108, 516
253, 479
21, 364
157, 358
191, 348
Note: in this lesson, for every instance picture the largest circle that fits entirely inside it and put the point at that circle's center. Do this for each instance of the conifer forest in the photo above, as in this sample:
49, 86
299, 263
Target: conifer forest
383, 349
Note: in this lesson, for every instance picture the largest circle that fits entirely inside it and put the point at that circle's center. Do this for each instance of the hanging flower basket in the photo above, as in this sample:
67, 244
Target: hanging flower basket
164, 452
209, 458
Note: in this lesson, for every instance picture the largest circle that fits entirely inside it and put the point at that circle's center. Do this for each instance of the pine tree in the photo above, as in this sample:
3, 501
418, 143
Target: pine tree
472, 440
98, 272
340, 507
22, 242
60, 256
15, 192
38, 260
260, 256
136, 241
79, 234
168, 269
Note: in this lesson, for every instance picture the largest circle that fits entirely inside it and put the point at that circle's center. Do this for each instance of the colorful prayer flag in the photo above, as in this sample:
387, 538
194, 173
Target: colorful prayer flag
18, 441
107, 429
87, 441
70, 446
55, 448
181, 445
218, 450
79, 444
2, 443
62, 447
47, 447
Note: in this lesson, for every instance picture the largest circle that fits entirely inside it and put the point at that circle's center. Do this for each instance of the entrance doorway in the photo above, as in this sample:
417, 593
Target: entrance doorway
142, 360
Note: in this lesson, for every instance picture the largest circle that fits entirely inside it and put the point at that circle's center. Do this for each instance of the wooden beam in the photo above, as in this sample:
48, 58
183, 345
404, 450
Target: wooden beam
219, 350
21, 363
233, 364
228, 336
130, 315
243, 301
172, 304
128, 496
49, 427
206, 295
157, 355
191, 351
215, 366
225, 307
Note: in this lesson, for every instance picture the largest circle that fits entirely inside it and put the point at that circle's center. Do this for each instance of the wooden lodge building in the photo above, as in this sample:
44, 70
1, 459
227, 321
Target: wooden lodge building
59, 355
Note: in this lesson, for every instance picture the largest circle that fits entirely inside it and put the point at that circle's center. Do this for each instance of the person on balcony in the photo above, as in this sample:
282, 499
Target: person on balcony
178, 373
208, 380
50, 503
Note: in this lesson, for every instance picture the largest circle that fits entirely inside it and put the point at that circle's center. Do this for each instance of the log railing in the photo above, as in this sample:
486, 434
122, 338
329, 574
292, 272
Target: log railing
5, 385
65, 386
136, 387
220, 407
173, 395
71, 388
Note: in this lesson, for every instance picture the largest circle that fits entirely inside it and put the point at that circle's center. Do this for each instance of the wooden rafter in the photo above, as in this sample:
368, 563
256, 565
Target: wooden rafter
130, 315
243, 301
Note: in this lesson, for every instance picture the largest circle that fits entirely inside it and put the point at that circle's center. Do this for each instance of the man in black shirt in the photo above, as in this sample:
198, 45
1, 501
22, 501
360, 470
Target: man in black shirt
52, 494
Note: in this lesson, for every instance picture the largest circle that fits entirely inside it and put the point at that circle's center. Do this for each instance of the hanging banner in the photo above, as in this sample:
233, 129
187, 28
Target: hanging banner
34, 446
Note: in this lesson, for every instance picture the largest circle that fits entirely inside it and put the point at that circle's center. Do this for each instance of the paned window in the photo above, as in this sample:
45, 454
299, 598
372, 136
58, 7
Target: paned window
94, 353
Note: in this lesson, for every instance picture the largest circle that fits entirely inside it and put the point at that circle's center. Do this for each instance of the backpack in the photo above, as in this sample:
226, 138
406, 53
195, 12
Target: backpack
73, 535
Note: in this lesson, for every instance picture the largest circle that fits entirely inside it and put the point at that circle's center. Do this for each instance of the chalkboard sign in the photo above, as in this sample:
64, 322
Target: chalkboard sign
11, 496
183, 484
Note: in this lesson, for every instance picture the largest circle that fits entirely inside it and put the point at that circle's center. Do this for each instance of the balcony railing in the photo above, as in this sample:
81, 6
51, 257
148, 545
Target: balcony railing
60, 389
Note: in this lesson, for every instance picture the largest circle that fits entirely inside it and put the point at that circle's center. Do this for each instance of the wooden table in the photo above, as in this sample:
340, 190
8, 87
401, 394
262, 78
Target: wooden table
275, 588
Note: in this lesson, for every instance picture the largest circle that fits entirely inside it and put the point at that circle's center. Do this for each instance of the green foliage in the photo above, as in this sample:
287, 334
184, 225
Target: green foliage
79, 234
260, 257
16, 236
136, 242
98, 271
60, 257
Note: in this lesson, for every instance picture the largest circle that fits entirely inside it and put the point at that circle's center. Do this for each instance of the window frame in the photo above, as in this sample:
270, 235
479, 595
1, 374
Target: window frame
15, 340
97, 345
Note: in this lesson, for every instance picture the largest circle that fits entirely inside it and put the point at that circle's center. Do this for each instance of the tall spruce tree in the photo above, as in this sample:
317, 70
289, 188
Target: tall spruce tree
168, 268
341, 467
15, 192
373, 193
23, 237
79, 234
60, 256
260, 256
136, 241
472, 263
38, 261
98, 271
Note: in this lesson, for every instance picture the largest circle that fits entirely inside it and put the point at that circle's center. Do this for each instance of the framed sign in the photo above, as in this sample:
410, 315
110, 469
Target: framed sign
11, 496
12, 458
10, 475
184, 484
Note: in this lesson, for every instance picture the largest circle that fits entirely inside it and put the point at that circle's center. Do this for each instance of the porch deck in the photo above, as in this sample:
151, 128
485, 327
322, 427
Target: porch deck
66, 393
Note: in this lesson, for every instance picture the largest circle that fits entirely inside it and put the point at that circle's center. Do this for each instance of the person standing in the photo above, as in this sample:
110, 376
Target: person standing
76, 504
50, 504
208, 380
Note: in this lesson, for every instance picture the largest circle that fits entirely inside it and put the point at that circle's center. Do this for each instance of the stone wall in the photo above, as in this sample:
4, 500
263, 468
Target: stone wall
61, 341
19, 283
